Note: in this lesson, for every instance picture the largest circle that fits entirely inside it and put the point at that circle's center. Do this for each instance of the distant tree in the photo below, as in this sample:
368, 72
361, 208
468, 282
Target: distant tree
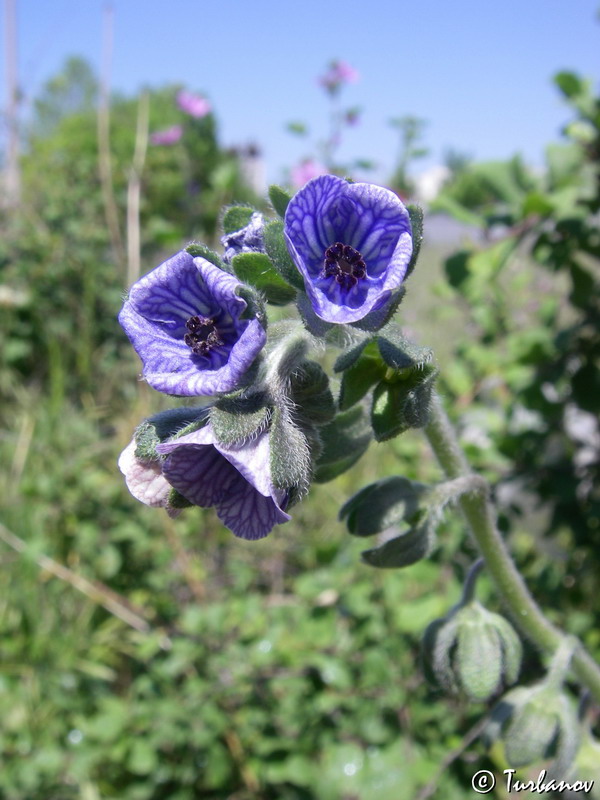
410, 148
457, 161
73, 90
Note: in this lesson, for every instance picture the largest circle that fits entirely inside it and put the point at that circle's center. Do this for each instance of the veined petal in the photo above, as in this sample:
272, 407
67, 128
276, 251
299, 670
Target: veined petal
249, 514
200, 474
144, 479
237, 480
309, 219
157, 317
351, 242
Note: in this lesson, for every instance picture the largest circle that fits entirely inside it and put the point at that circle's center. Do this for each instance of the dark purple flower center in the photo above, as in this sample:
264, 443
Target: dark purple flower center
345, 264
202, 336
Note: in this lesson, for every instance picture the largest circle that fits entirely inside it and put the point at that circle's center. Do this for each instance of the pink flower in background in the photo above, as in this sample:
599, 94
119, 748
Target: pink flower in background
169, 136
193, 104
305, 171
339, 72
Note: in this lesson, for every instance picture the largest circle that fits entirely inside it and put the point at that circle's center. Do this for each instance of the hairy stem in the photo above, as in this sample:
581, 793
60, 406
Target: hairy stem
481, 518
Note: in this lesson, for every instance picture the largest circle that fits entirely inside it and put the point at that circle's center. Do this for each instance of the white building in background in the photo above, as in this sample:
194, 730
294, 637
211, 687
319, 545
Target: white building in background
429, 183
252, 167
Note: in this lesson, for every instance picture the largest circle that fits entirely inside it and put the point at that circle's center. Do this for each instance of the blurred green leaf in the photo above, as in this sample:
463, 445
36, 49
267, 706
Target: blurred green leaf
236, 218
257, 270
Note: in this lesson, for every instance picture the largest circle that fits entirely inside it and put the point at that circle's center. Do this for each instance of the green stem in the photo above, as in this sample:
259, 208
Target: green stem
468, 592
480, 516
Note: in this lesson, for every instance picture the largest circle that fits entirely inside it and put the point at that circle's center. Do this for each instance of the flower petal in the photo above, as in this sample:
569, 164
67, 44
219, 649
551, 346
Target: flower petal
370, 219
171, 293
248, 513
237, 480
249, 239
309, 222
155, 315
144, 479
200, 474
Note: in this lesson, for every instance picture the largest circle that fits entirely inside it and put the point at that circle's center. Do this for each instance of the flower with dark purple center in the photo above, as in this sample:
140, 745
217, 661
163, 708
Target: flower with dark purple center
185, 322
352, 242
249, 239
236, 479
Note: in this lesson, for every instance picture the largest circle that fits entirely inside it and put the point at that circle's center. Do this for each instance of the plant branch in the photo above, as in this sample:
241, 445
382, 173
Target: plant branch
97, 592
134, 190
104, 161
481, 518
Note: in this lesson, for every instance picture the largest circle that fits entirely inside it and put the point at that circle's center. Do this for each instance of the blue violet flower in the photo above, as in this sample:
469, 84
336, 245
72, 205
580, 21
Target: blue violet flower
236, 479
352, 242
184, 320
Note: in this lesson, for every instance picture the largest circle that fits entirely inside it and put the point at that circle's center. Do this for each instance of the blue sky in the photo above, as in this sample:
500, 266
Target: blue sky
478, 71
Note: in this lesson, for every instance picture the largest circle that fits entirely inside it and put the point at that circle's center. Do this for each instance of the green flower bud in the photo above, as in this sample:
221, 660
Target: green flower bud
587, 763
471, 651
536, 724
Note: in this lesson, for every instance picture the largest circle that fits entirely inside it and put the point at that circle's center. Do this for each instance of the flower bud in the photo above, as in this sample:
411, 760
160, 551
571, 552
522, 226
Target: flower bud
140, 462
535, 724
248, 237
587, 763
471, 651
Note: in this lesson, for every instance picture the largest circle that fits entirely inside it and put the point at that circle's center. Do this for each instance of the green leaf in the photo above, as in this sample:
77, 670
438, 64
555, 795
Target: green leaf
347, 359
381, 505
400, 353
457, 268
358, 379
257, 270
537, 203
344, 440
386, 416
569, 83
416, 221
254, 302
417, 401
584, 285
162, 426
375, 320
298, 128
402, 551
315, 325
448, 205
237, 419
176, 500
402, 405
311, 393
279, 199
278, 253
197, 249
236, 218
142, 758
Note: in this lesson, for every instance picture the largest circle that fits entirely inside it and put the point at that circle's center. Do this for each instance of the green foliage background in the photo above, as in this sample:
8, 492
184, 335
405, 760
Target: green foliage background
194, 665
